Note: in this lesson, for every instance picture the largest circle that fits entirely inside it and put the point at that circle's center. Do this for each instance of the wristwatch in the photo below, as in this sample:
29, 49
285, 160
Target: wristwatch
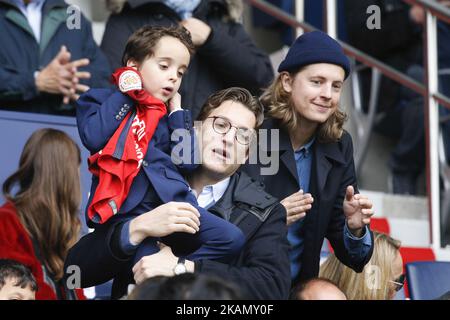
180, 267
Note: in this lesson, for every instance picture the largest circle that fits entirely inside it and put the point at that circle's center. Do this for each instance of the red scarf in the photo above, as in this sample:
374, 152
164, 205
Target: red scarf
119, 161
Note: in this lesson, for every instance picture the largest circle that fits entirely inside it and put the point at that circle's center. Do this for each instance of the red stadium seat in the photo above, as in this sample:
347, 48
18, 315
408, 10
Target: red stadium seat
380, 225
411, 254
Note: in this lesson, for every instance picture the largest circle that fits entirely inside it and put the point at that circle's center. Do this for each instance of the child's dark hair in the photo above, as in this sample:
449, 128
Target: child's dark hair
10, 269
142, 42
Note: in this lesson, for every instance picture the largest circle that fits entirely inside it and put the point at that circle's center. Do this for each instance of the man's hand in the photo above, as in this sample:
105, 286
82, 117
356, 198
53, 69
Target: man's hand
164, 220
158, 264
296, 206
357, 210
61, 76
175, 102
199, 30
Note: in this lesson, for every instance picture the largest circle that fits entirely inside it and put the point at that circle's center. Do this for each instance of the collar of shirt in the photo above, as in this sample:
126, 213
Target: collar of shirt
33, 12
21, 4
213, 193
184, 8
307, 147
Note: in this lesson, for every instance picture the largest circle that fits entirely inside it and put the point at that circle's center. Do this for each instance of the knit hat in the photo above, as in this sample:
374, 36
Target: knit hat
315, 47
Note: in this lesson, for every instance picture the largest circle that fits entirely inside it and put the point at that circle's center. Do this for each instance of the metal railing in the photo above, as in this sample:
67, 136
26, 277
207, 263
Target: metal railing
430, 92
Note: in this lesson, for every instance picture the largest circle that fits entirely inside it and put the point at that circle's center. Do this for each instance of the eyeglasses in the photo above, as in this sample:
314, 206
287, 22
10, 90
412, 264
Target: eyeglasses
399, 282
222, 126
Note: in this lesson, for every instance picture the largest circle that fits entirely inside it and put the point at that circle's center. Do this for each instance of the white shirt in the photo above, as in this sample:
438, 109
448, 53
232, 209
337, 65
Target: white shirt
212, 193
33, 13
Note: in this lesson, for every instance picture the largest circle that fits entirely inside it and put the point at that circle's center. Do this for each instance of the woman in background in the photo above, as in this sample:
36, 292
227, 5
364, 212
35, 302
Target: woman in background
39, 221
382, 276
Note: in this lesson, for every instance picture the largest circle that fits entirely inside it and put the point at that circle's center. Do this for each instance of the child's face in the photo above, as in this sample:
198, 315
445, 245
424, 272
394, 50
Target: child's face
12, 292
163, 71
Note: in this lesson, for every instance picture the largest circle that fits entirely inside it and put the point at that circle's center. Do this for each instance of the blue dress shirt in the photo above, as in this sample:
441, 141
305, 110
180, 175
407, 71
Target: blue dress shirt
358, 247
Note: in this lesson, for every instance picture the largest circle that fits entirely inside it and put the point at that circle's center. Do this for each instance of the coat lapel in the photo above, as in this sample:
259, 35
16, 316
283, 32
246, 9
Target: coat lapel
325, 155
287, 157
286, 154
50, 24
15, 16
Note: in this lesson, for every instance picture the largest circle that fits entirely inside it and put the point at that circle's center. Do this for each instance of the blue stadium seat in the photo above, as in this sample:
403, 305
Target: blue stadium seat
428, 280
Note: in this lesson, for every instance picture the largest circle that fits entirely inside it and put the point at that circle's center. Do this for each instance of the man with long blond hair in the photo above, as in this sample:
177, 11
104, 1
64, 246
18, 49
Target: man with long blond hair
316, 180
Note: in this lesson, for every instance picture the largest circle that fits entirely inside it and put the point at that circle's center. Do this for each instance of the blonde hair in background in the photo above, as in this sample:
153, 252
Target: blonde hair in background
374, 282
279, 105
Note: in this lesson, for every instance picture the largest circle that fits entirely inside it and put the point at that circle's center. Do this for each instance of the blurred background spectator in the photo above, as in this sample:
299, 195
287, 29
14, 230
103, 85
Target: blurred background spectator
47, 58
397, 43
39, 222
16, 281
318, 289
381, 278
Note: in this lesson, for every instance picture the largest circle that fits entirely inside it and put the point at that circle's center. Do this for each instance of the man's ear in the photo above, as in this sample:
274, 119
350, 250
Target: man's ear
286, 81
132, 64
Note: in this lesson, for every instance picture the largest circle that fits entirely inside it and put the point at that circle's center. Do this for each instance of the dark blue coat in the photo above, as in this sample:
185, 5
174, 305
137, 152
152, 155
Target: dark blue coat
99, 114
332, 171
21, 55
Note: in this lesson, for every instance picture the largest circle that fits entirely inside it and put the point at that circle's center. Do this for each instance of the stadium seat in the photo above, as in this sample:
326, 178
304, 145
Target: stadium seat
380, 225
428, 280
412, 254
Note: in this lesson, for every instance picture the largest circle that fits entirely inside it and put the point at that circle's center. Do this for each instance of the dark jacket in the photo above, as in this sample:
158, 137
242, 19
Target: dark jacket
99, 114
332, 171
21, 55
261, 269
228, 58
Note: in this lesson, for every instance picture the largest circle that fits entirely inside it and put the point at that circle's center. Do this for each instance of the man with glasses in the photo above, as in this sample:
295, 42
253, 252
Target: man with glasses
225, 130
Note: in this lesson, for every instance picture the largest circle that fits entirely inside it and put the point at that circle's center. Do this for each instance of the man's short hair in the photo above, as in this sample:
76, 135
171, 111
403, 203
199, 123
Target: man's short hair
236, 94
10, 269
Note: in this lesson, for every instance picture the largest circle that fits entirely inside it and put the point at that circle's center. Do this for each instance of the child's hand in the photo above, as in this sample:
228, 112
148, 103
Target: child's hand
175, 102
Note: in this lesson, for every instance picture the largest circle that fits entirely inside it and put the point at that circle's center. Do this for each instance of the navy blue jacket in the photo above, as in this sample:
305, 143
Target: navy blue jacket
332, 171
99, 114
21, 55
261, 269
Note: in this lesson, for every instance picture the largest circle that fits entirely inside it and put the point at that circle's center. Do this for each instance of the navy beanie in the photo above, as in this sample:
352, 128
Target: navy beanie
314, 47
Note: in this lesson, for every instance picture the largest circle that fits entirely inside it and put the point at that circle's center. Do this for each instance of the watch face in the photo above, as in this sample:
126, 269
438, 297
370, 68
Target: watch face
179, 269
